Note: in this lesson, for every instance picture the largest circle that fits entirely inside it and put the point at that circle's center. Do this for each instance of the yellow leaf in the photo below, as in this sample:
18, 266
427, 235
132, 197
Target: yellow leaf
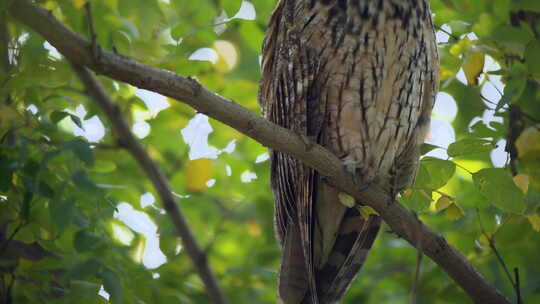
473, 66
528, 140
407, 192
366, 211
79, 3
535, 221
198, 172
461, 47
443, 202
346, 199
522, 181
454, 212
253, 228
484, 239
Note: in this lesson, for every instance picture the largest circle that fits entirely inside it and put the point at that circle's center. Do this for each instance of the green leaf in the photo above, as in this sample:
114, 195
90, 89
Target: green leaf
83, 270
57, 116
440, 171
231, 7
525, 5
532, 59
497, 186
84, 292
76, 120
179, 31
39, 187
26, 204
469, 146
111, 283
82, 150
62, 213
85, 241
5, 175
82, 181
416, 199
426, 148
492, 129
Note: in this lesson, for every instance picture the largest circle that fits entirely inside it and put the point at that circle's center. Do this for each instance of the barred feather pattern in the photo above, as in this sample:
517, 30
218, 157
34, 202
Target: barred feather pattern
358, 77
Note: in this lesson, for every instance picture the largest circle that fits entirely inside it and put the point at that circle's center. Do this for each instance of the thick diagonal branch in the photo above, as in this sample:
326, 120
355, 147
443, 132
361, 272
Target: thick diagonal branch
401, 221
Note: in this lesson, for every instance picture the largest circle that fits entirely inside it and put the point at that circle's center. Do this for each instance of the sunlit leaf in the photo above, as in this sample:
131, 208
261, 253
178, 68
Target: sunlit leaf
535, 221
366, 211
440, 171
454, 212
522, 181
442, 203
473, 66
414, 199
529, 140
469, 146
497, 186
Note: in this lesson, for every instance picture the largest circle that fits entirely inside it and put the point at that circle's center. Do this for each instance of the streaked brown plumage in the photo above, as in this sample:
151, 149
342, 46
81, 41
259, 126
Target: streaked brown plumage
358, 77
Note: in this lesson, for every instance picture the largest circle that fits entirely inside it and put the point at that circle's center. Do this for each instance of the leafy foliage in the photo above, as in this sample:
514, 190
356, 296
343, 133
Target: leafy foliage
80, 212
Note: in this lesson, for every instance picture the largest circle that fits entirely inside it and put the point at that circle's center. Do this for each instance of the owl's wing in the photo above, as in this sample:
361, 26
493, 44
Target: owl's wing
324, 243
287, 79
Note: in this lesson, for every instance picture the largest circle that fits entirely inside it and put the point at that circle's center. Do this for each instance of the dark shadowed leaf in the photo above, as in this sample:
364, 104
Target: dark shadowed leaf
85, 240
83, 270
426, 148
76, 120
57, 116
62, 212
82, 150
111, 283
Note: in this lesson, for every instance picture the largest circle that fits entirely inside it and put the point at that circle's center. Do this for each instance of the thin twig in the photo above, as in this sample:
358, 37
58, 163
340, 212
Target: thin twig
92, 30
491, 243
518, 287
127, 140
10, 238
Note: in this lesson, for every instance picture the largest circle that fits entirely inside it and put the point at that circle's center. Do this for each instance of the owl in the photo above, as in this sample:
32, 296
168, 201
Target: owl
358, 77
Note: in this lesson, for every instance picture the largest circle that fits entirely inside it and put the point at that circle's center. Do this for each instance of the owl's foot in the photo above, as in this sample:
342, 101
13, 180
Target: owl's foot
362, 176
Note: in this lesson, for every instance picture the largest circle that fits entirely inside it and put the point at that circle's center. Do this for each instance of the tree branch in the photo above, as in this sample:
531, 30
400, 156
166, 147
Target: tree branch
127, 140
401, 221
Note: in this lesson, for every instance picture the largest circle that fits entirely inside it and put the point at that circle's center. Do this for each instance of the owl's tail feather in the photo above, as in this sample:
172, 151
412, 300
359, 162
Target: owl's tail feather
293, 277
355, 237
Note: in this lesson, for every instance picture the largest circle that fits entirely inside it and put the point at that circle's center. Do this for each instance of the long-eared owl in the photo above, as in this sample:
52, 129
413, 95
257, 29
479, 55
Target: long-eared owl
358, 77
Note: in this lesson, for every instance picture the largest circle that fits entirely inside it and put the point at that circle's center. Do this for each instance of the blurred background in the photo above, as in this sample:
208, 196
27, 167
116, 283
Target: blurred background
68, 186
